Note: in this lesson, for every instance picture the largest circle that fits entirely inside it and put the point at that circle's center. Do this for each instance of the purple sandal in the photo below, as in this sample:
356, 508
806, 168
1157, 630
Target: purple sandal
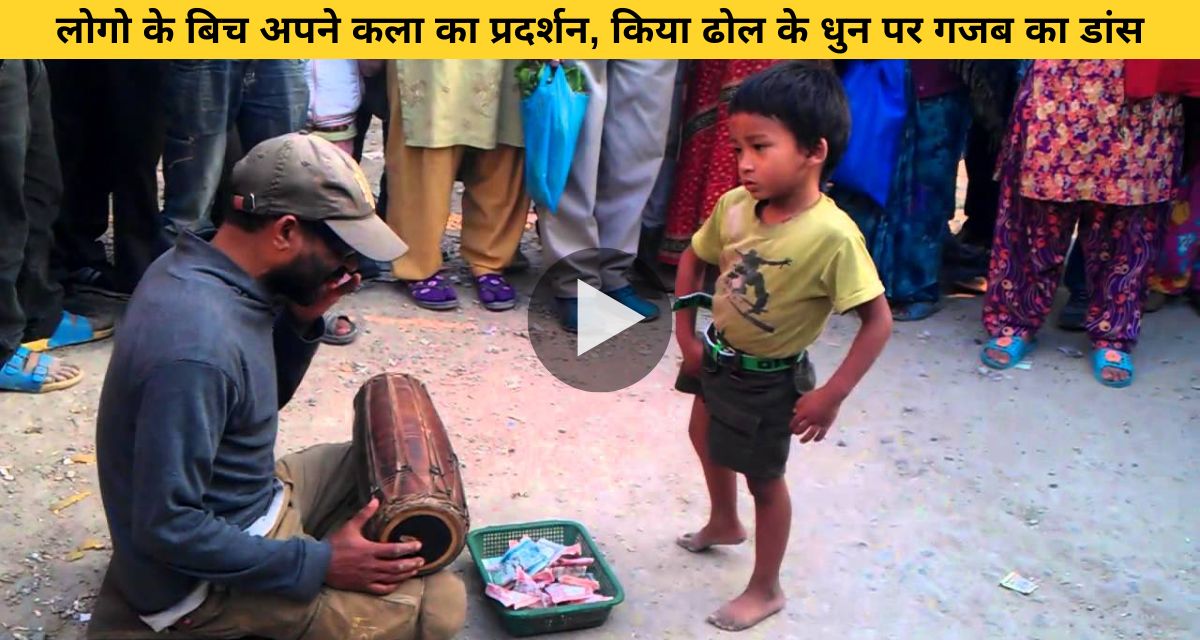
433, 293
495, 294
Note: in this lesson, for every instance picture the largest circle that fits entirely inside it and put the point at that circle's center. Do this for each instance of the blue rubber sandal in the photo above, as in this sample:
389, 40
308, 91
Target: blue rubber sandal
1109, 358
1016, 348
14, 377
72, 330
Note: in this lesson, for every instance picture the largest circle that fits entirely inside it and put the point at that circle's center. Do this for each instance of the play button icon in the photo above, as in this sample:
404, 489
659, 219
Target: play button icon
614, 346
600, 318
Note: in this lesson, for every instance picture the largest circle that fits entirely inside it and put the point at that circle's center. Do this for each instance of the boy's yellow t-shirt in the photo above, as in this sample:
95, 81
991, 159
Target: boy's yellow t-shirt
779, 283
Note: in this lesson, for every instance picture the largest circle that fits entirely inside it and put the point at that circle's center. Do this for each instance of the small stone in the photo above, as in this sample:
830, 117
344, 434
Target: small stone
1053, 485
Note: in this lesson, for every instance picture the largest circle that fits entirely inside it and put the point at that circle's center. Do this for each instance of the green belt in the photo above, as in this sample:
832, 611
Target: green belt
727, 355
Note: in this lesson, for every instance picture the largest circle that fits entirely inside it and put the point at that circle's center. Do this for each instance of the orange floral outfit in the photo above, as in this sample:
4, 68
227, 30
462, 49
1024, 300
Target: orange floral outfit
1078, 151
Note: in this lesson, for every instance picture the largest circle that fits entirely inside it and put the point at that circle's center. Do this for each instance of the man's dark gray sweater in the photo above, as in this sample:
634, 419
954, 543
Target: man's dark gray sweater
185, 436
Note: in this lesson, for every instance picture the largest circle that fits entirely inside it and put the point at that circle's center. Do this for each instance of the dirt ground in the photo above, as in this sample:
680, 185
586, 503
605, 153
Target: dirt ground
938, 479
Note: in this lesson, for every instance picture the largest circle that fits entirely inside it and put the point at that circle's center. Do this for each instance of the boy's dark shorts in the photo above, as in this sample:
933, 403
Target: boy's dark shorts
750, 414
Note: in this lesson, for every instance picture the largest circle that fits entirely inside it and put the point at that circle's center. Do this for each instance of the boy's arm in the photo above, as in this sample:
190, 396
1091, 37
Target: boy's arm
689, 278
817, 409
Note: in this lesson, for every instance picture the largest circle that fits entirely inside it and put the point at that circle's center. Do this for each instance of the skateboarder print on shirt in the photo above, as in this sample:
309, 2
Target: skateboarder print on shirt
745, 276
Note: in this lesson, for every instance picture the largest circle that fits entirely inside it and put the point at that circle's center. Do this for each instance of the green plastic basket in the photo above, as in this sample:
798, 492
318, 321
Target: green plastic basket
491, 542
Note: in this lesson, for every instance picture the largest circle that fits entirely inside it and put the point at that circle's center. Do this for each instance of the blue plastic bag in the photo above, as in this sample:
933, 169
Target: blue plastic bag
877, 92
552, 117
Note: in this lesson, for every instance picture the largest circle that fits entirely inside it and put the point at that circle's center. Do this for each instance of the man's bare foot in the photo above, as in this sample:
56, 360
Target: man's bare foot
712, 536
748, 609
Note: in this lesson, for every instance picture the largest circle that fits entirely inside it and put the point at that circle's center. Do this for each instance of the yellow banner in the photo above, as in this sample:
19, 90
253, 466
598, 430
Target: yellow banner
597, 29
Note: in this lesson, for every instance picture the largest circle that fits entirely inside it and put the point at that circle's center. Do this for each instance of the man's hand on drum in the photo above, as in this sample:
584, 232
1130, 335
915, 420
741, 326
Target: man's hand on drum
359, 564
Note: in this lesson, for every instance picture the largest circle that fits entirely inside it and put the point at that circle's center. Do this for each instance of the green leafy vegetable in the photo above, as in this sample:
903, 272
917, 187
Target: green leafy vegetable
529, 72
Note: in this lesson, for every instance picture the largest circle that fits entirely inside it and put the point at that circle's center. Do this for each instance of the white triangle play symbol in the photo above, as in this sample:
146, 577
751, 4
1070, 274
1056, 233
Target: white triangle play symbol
600, 318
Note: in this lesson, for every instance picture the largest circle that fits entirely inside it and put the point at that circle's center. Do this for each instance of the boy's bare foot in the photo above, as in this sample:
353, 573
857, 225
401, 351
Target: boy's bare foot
748, 609
712, 536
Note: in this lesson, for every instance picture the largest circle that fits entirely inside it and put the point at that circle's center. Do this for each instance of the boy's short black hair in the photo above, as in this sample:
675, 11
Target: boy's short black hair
807, 98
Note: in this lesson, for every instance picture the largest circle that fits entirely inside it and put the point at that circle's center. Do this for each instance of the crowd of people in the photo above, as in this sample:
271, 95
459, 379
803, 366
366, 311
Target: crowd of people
746, 174
1077, 167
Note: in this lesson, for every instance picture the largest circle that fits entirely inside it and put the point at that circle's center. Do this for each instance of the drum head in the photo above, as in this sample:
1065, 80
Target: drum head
435, 536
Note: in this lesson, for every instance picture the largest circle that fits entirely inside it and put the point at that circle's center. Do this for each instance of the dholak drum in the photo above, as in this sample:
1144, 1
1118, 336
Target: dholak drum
411, 468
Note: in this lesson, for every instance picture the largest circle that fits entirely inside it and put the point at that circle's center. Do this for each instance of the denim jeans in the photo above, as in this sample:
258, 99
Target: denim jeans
30, 192
211, 104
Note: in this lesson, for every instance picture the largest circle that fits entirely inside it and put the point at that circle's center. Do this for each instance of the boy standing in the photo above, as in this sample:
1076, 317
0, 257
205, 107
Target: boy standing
788, 258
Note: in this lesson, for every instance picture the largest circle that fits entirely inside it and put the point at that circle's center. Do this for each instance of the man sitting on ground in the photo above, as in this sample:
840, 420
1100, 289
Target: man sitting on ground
212, 538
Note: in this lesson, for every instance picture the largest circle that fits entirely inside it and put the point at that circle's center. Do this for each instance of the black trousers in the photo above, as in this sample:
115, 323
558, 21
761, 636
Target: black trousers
374, 105
983, 190
109, 126
30, 192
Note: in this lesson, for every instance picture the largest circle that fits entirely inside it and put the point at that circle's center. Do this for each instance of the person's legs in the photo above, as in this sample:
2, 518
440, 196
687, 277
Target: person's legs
324, 491
41, 295
82, 132
1074, 314
573, 227
763, 596
654, 216
23, 196
631, 154
200, 97
723, 526
420, 182
983, 190
323, 485
1121, 245
14, 223
941, 130
135, 92
495, 208
275, 101
1031, 243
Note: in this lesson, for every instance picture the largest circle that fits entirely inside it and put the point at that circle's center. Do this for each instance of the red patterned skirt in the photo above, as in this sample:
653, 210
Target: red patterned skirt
707, 167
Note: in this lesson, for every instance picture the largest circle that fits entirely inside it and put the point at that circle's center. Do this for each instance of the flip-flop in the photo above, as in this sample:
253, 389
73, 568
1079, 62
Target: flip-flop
432, 293
331, 336
914, 311
14, 377
686, 542
495, 293
72, 330
1016, 348
1109, 358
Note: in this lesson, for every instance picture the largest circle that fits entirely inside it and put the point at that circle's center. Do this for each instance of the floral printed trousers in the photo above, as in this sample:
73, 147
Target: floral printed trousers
1030, 248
